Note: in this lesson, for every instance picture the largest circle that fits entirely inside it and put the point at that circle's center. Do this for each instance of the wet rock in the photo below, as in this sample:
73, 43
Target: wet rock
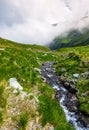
73, 98
72, 109
71, 102
73, 90
37, 70
44, 79
76, 76
47, 69
49, 75
58, 95
81, 122
69, 87
56, 87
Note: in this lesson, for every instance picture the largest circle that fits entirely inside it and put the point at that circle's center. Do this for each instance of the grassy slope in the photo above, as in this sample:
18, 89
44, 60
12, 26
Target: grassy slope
19, 61
76, 60
74, 38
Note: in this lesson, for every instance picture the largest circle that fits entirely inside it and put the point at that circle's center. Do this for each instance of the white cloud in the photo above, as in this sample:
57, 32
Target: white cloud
31, 21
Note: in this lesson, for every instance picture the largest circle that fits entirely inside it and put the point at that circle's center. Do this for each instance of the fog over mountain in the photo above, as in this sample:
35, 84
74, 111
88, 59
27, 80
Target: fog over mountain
39, 21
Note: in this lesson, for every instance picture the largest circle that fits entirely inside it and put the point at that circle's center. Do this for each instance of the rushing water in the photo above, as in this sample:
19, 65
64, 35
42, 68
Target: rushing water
67, 100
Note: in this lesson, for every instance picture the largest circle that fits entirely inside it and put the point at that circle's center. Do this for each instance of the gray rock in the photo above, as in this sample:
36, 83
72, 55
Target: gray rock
51, 128
69, 87
37, 70
44, 79
62, 70
67, 84
85, 94
49, 75
76, 76
15, 129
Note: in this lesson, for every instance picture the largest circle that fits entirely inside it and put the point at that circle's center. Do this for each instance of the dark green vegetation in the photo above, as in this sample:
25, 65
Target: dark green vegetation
2, 97
24, 62
76, 61
1, 117
2, 102
72, 39
23, 120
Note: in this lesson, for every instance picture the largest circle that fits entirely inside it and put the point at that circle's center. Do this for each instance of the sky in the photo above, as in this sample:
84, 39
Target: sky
40, 21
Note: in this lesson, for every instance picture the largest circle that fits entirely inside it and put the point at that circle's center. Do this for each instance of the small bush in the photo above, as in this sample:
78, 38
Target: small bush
1, 117
2, 98
23, 120
1, 90
2, 102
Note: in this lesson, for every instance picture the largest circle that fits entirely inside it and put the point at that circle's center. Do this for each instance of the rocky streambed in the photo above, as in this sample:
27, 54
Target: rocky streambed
66, 97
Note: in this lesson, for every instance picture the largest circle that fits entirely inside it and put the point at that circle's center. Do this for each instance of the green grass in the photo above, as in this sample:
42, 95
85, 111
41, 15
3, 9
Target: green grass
20, 61
23, 120
2, 97
4, 43
3, 102
1, 117
50, 110
75, 60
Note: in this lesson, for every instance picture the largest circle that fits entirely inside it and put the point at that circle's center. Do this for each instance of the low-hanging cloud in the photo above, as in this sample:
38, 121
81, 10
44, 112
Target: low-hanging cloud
39, 21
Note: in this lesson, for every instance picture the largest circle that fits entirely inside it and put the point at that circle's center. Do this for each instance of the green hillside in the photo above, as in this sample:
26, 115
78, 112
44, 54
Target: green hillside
76, 61
33, 104
72, 39
11, 44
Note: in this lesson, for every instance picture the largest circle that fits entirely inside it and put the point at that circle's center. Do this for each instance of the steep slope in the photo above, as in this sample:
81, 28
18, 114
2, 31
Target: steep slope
26, 102
73, 38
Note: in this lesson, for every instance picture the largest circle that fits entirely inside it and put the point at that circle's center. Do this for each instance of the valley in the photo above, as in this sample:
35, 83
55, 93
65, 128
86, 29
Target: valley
31, 104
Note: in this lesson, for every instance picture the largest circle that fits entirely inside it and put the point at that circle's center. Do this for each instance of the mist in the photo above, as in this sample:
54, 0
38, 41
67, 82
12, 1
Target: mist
39, 21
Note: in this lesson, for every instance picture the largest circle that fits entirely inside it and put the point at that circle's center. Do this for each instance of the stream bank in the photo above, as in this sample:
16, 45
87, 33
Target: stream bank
67, 99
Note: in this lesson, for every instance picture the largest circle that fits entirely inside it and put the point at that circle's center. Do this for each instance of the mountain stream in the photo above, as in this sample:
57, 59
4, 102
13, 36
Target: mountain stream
67, 100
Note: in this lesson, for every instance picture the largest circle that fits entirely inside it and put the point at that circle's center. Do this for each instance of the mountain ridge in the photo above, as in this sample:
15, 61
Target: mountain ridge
71, 39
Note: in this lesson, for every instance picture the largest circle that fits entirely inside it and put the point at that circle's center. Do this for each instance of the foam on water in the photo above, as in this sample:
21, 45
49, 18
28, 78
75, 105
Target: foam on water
70, 116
